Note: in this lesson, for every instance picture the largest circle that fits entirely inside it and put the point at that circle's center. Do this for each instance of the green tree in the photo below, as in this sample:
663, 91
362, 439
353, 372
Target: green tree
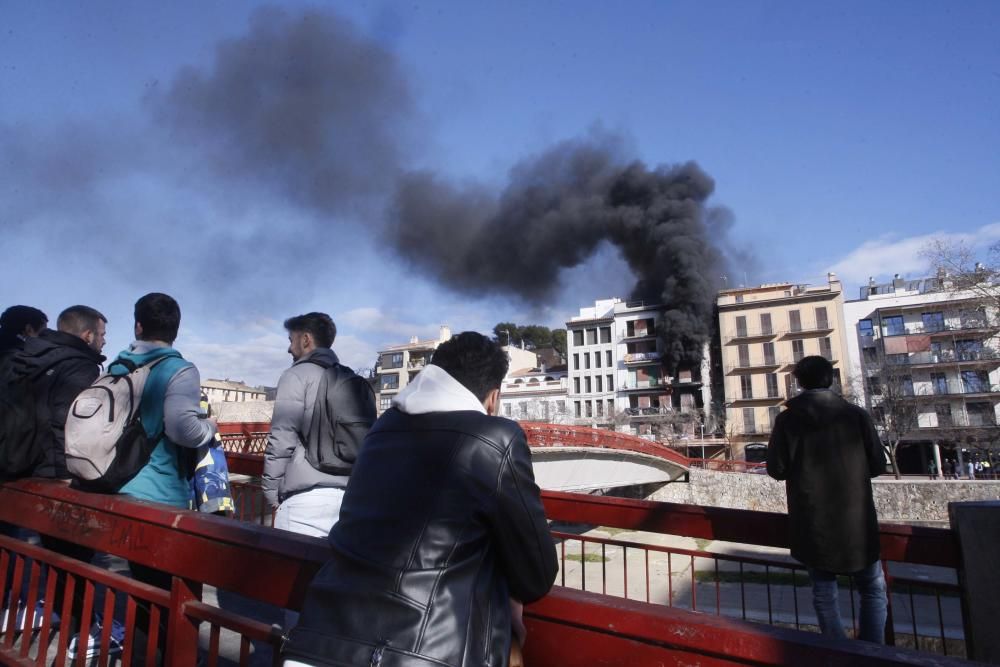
507, 333
559, 341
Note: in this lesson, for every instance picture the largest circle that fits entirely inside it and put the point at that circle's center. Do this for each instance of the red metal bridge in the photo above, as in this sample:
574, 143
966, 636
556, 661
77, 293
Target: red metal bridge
628, 594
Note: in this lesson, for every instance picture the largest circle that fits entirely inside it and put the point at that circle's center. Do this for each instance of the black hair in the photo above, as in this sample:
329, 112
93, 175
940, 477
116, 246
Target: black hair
477, 362
15, 319
319, 325
160, 317
77, 319
814, 372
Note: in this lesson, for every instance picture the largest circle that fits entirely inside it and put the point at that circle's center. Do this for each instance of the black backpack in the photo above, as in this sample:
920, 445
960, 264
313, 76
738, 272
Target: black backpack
342, 416
22, 425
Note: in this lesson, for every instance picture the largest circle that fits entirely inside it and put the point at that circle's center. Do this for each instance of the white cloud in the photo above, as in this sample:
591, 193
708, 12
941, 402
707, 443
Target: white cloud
374, 320
889, 254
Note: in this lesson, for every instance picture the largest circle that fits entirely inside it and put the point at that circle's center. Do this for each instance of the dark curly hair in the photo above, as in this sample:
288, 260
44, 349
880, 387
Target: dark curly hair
477, 362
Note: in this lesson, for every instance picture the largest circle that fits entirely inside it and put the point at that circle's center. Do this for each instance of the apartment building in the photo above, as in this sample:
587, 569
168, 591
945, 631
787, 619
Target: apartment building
536, 394
764, 331
616, 374
399, 364
941, 346
228, 391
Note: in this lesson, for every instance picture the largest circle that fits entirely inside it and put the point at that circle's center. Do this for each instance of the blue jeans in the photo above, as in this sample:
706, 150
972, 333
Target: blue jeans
870, 584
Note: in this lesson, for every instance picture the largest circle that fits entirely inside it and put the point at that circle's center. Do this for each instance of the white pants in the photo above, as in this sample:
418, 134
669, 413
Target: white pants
312, 513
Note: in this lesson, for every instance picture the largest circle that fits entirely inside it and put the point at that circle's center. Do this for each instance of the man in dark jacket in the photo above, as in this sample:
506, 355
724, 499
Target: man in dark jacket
441, 527
61, 363
827, 451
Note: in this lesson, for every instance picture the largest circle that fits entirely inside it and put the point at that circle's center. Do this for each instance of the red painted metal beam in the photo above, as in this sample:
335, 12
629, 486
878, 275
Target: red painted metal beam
579, 629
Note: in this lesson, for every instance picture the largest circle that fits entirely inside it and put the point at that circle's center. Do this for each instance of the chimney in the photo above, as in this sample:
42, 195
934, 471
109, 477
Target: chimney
414, 340
445, 333
897, 282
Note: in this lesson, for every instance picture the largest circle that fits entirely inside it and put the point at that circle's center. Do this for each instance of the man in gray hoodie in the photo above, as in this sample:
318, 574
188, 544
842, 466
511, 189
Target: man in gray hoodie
308, 500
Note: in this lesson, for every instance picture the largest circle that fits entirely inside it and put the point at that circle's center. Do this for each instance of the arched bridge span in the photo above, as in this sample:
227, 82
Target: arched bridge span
566, 458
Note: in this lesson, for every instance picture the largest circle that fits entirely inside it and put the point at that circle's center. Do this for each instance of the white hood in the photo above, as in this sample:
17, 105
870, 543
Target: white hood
433, 390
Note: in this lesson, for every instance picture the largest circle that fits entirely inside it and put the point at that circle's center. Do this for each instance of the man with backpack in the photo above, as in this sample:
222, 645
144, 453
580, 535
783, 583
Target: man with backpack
173, 422
322, 412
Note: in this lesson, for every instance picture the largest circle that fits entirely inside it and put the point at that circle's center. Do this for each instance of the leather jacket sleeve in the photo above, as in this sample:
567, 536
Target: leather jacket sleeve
522, 531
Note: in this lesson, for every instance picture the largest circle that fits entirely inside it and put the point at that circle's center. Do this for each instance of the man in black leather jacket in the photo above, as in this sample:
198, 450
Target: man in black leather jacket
441, 527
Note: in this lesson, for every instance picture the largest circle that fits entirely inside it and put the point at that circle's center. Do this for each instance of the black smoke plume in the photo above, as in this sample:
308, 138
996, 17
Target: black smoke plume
556, 210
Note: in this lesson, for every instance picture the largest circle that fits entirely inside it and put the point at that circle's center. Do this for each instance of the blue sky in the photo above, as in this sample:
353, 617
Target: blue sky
840, 136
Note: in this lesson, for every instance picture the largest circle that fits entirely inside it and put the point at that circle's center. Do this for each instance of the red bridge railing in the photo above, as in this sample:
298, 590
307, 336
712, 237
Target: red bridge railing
566, 628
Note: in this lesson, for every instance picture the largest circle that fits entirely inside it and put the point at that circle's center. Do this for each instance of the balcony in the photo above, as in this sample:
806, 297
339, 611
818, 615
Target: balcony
984, 326
642, 358
803, 331
982, 357
645, 385
952, 388
767, 399
961, 421
745, 335
638, 336
416, 364
752, 365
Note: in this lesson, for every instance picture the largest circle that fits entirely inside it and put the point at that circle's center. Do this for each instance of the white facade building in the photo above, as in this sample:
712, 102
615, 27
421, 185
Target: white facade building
944, 348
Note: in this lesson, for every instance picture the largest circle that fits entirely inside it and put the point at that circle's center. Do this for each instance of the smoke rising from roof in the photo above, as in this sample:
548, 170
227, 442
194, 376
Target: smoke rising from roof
555, 211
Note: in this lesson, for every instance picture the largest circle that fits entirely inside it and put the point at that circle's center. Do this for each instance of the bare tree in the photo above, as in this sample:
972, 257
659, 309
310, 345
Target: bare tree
895, 407
961, 269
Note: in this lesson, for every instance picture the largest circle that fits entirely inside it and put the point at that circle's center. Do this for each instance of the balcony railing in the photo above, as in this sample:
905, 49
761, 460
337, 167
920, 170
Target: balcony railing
655, 383
950, 388
931, 328
944, 357
754, 364
749, 334
807, 329
964, 421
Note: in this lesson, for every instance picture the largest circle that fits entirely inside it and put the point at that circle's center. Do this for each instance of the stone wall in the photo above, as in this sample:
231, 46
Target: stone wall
898, 501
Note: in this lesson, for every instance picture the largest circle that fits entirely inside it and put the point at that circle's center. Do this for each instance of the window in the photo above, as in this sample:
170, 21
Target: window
826, 348
607, 358
939, 383
741, 326
765, 324
772, 385
907, 384
390, 381
969, 350
772, 414
586, 360
506, 410
578, 337
576, 408
874, 386
791, 386
932, 322
893, 326
821, 320
981, 414
749, 423
576, 362
597, 359
944, 419
586, 385
522, 409
744, 355
600, 407
385, 402
611, 383
576, 385
870, 355
769, 354
591, 336
865, 329
794, 321
561, 407
605, 334
590, 408
611, 406
746, 386
798, 350
739, 298
975, 381
599, 381
393, 360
